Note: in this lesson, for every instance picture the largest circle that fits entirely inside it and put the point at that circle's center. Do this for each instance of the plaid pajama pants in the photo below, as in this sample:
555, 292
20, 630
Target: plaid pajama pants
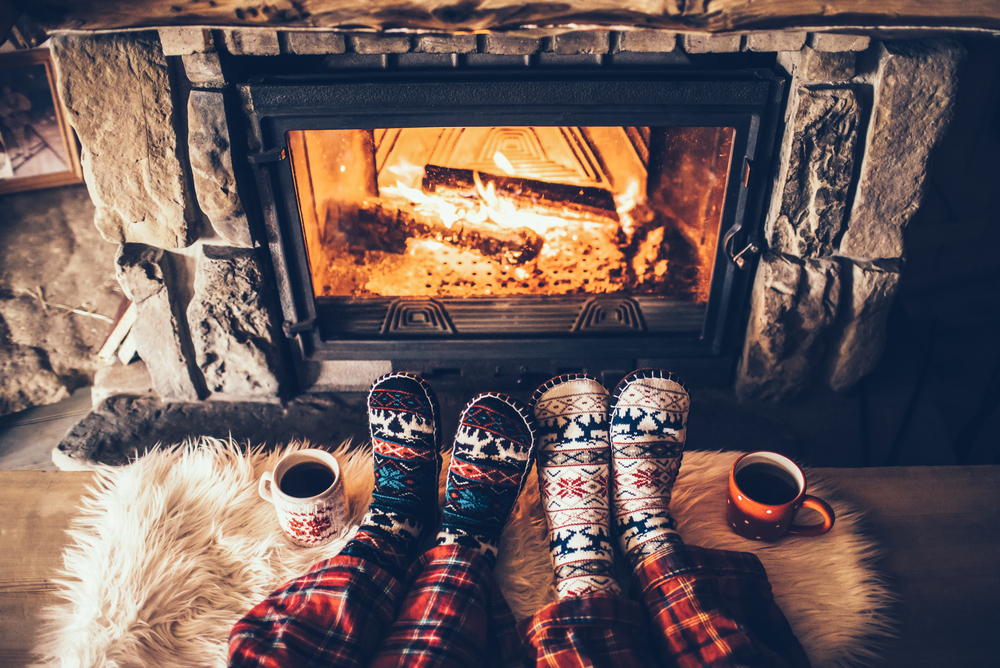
699, 608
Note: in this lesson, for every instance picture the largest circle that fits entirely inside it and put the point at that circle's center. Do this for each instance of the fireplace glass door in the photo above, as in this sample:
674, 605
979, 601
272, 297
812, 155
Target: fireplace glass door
513, 215
487, 212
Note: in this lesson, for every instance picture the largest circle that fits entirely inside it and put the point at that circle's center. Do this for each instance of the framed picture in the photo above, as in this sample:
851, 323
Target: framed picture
37, 146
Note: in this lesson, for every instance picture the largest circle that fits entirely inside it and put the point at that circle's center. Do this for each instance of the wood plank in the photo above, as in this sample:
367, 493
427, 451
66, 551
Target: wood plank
458, 15
940, 528
37, 509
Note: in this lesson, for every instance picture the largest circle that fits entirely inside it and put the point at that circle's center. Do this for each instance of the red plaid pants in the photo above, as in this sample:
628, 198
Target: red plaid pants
699, 608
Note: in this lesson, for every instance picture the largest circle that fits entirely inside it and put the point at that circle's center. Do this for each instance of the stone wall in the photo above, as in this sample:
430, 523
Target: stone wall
849, 181
859, 133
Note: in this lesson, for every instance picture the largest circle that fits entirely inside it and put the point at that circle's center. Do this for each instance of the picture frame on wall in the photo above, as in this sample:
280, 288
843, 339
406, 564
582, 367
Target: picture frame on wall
37, 146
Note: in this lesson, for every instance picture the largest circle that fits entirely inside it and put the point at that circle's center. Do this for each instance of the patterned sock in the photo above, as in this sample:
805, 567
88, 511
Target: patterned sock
573, 472
648, 429
493, 449
403, 417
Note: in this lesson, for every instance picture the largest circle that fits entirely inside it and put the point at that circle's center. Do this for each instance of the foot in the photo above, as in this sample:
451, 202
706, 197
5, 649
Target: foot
489, 464
648, 430
406, 434
573, 473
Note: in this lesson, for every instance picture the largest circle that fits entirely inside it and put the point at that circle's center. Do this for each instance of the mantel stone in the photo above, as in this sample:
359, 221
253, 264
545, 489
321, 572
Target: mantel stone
118, 93
915, 88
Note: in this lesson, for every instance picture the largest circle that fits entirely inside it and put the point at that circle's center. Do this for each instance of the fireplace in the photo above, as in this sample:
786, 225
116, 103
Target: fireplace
547, 218
738, 201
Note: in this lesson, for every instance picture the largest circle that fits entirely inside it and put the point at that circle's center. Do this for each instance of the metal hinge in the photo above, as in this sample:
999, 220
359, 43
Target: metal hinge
293, 328
274, 155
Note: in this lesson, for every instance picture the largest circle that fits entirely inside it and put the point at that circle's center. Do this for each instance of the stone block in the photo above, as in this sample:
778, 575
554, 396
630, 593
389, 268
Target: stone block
212, 167
817, 164
831, 42
366, 43
858, 338
765, 42
119, 97
914, 95
26, 378
121, 379
794, 303
256, 42
512, 45
708, 43
647, 41
160, 332
304, 43
235, 337
446, 44
581, 42
185, 41
204, 69
811, 66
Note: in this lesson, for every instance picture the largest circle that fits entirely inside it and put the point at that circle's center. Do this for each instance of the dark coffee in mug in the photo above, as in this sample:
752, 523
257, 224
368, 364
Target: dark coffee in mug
306, 479
767, 484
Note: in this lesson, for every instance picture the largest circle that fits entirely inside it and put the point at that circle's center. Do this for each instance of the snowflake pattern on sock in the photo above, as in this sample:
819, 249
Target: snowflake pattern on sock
405, 431
648, 431
571, 413
490, 461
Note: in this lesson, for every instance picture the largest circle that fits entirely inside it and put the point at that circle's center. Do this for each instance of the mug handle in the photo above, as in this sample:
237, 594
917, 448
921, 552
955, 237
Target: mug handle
264, 486
820, 506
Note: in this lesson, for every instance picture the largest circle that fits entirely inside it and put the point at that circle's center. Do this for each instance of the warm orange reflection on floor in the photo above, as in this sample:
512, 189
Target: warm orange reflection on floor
503, 211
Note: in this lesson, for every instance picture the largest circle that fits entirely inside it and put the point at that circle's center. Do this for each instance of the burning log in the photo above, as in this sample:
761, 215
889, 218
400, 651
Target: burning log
562, 197
384, 227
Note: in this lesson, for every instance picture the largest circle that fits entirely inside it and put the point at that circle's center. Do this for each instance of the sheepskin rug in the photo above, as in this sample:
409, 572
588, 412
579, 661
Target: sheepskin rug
170, 551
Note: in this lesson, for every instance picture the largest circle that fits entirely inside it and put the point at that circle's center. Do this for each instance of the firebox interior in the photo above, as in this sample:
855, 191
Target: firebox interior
499, 211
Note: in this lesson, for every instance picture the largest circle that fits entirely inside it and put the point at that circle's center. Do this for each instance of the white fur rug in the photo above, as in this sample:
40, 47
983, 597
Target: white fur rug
171, 550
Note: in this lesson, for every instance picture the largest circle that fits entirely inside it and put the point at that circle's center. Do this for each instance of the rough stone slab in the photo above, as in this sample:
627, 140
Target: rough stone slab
304, 43
581, 41
252, 42
915, 87
204, 69
647, 41
118, 94
124, 427
858, 338
27, 379
794, 303
446, 44
185, 41
159, 330
707, 43
817, 163
234, 336
378, 44
826, 41
811, 66
512, 45
763, 42
212, 167
131, 379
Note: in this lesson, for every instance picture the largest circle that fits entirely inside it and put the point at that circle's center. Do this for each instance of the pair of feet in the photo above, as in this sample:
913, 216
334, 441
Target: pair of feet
608, 460
593, 458
493, 450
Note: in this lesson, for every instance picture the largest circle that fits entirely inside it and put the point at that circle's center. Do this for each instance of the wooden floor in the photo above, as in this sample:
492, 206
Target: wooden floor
939, 526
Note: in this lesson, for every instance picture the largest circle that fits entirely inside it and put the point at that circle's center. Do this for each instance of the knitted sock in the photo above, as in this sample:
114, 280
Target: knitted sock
648, 429
403, 417
493, 449
573, 471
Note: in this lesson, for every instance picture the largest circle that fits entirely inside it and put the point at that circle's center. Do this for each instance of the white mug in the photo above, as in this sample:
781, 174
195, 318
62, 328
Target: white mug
308, 496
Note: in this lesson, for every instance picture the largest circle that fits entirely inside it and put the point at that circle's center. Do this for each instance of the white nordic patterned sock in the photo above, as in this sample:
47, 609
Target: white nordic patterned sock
571, 413
648, 430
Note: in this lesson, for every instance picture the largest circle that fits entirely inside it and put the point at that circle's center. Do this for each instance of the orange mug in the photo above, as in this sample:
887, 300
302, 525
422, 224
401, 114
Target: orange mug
765, 491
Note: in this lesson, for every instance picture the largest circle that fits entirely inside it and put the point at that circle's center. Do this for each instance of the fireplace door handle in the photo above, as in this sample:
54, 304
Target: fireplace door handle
741, 258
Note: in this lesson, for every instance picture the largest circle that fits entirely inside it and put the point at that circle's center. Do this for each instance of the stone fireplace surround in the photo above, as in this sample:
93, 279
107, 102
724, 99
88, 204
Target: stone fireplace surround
154, 111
